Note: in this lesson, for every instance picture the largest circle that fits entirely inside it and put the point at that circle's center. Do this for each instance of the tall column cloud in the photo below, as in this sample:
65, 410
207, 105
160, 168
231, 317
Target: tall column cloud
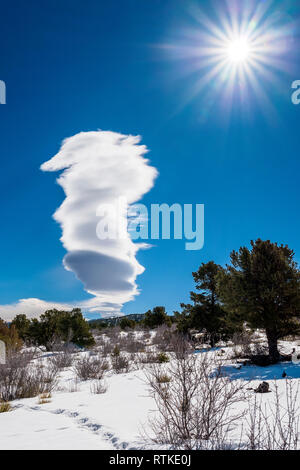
100, 168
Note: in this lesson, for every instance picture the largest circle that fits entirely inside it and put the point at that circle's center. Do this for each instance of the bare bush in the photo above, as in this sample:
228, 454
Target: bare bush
242, 343
103, 345
45, 398
62, 360
163, 378
134, 361
20, 379
107, 348
48, 379
90, 367
275, 426
98, 387
100, 340
74, 386
151, 357
55, 343
148, 357
5, 407
120, 362
113, 333
195, 407
180, 345
28, 355
162, 338
131, 345
13, 374
259, 349
145, 336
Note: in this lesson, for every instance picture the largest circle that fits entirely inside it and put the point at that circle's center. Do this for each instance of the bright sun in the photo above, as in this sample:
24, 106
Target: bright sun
236, 53
238, 50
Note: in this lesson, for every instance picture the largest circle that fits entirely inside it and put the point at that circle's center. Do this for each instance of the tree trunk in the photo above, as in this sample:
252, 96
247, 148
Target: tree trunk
273, 347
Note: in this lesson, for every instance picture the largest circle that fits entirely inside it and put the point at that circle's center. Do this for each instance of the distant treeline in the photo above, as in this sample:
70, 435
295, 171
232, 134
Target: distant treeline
58, 326
151, 319
53, 326
114, 321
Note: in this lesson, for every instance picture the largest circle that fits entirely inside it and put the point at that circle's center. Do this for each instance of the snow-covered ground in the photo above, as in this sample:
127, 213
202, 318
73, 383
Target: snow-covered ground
81, 419
117, 419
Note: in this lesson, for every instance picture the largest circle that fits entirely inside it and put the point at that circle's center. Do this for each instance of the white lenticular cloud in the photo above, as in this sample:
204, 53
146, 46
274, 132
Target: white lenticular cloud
99, 168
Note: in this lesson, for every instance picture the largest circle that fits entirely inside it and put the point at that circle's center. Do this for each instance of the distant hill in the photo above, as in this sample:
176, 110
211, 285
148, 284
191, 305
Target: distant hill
114, 321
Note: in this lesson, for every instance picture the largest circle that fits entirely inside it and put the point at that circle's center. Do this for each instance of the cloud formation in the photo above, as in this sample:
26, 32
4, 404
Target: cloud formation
98, 168
32, 308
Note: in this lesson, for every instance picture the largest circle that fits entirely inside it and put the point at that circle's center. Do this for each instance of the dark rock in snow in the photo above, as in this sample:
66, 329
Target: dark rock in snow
264, 387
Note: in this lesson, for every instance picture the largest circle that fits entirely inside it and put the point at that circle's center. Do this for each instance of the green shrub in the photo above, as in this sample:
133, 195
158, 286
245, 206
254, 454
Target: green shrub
156, 317
162, 357
55, 326
127, 323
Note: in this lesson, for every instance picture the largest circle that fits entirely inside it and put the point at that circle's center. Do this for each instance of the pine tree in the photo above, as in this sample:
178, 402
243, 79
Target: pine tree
206, 312
262, 288
126, 323
156, 317
22, 324
59, 325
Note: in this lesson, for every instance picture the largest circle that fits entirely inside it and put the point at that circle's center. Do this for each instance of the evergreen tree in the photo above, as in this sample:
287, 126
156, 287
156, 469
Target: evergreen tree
156, 317
127, 323
59, 325
206, 312
262, 288
183, 319
35, 333
22, 324
73, 327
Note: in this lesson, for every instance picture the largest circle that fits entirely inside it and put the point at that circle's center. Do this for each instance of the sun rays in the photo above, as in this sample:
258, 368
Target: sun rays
239, 51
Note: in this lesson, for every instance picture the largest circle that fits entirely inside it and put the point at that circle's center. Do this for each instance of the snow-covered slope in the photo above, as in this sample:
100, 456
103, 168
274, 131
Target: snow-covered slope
116, 419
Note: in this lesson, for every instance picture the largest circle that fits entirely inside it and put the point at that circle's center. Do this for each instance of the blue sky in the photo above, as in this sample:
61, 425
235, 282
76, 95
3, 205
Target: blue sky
72, 66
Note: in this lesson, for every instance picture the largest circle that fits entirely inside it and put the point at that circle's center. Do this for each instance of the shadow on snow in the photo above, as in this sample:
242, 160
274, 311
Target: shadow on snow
263, 373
